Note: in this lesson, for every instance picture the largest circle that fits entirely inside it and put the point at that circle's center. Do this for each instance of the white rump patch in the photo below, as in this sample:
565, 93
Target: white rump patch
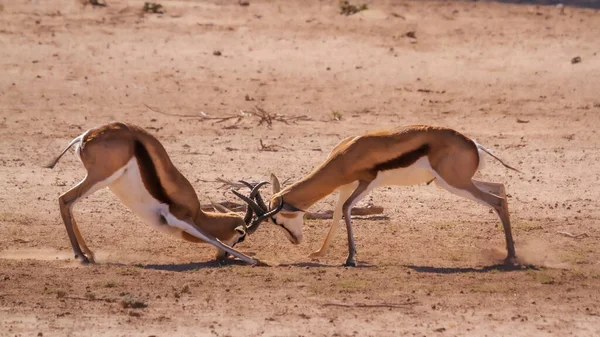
482, 156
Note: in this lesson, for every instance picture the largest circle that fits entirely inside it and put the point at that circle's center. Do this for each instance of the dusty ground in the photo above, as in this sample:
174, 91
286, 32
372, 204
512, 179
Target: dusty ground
499, 73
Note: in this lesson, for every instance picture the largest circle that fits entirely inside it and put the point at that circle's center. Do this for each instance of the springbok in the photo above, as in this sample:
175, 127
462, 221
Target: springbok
136, 168
406, 155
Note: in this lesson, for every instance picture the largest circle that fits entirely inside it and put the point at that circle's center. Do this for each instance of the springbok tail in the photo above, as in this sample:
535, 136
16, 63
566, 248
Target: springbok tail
73, 142
482, 148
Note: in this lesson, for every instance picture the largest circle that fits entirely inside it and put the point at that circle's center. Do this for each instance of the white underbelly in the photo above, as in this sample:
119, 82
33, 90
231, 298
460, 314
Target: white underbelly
130, 189
418, 173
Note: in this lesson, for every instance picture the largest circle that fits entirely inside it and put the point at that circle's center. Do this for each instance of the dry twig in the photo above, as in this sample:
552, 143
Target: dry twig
229, 184
153, 7
94, 3
358, 211
271, 148
364, 305
202, 116
227, 204
347, 8
269, 118
574, 236
265, 117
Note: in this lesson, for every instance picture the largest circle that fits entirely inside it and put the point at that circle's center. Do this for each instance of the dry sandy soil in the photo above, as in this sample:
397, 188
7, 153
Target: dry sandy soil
499, 73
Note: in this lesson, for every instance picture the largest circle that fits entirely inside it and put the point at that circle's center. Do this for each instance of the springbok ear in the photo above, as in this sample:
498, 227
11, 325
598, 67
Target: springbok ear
242, 232
220, 208
275, 183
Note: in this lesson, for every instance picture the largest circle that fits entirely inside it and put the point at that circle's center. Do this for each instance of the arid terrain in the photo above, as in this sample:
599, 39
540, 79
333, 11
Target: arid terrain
506, 75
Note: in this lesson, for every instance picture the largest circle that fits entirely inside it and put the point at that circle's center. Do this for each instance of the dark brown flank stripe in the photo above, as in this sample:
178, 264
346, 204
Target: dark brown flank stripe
149, 175
404, 160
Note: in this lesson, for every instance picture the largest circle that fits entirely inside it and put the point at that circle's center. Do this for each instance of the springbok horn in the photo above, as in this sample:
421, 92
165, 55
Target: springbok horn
256, 193
254, 190
250, 186
252, 205
248, 216
265, 216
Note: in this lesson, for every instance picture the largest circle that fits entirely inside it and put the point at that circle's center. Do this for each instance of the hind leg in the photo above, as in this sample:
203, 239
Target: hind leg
500, 205
494, 188
497, 197
90, 255
479, 191
66, 202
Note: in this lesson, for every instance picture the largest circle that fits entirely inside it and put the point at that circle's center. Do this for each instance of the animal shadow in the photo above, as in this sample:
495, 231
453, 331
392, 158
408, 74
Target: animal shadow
361, 265
182, 267
496, 267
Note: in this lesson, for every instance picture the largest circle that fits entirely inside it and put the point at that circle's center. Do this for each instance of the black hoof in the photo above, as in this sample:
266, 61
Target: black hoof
350, 263
260, 264
82, 259
221, 261
511, 262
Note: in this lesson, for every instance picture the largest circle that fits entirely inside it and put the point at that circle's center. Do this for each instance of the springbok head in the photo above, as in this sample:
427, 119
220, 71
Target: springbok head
285, 216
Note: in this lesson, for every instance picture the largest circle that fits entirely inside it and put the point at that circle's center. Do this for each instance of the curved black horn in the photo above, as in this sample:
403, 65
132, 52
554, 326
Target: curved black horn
248, 216
255, 194
270, 213
250, 186
259, 211
249, 209
260, 201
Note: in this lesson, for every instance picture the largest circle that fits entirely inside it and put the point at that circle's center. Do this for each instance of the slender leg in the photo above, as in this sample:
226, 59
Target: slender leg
66, 202
345, 192
494, 188
478, 191
221, 255
364, 187
500, 204
190, 228
90, 255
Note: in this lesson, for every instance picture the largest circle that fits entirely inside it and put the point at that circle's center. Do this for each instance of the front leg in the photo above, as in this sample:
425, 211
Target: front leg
364, 187
240, 236
190, 228
221, 255
345, 192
